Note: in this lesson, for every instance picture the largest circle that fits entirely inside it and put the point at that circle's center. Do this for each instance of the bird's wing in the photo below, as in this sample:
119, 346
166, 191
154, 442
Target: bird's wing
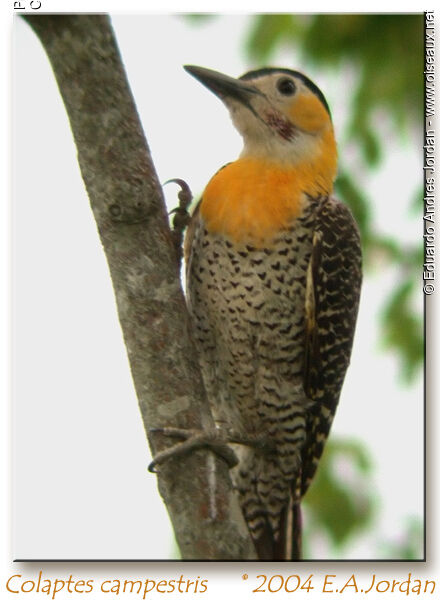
332, 299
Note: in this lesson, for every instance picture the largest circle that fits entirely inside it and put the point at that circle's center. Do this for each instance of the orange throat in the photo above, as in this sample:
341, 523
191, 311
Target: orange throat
252, 199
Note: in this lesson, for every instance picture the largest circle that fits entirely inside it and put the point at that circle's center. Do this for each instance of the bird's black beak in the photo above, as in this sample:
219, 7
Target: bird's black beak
224, 86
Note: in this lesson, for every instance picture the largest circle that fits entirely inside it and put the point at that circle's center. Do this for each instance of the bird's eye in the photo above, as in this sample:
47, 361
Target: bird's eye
286, 86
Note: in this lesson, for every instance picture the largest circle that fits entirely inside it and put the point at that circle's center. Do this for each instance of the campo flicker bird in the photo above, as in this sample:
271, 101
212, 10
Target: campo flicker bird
273, 284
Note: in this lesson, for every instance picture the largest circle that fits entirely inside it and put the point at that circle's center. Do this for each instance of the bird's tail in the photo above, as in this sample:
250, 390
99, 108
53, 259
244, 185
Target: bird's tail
270, 506
288, 544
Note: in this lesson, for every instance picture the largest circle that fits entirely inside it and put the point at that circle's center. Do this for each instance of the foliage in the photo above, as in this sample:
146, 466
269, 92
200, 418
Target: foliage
342, 486
401, 327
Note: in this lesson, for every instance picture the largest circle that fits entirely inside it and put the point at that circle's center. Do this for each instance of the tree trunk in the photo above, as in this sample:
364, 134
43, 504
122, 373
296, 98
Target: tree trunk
130, 214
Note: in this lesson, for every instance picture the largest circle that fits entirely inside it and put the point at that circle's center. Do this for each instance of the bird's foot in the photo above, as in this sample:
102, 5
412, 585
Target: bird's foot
216, 440
181, 215
193, 439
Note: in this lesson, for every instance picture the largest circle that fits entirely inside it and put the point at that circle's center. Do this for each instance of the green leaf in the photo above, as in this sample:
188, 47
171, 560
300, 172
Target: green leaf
336, 505
362, 133
267, 32
402, 329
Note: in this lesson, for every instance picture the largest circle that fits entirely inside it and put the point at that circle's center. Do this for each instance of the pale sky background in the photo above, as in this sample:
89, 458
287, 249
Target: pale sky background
81, 486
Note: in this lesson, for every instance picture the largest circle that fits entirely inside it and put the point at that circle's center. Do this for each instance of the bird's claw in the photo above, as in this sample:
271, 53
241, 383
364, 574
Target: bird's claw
185, 196
181, 217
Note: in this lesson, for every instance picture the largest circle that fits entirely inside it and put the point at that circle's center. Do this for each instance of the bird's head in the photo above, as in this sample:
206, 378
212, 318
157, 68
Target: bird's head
281, 114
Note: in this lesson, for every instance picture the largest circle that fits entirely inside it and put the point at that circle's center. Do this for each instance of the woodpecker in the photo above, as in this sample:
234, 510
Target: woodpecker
273, 266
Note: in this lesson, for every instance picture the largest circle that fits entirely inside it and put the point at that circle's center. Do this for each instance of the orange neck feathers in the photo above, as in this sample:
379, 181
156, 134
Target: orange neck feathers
252, 199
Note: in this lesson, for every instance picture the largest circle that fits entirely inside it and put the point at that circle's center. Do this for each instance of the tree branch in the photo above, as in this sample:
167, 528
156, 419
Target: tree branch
130, 214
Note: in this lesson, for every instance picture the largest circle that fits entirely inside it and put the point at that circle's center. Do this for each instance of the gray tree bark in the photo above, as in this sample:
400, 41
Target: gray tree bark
130, 214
